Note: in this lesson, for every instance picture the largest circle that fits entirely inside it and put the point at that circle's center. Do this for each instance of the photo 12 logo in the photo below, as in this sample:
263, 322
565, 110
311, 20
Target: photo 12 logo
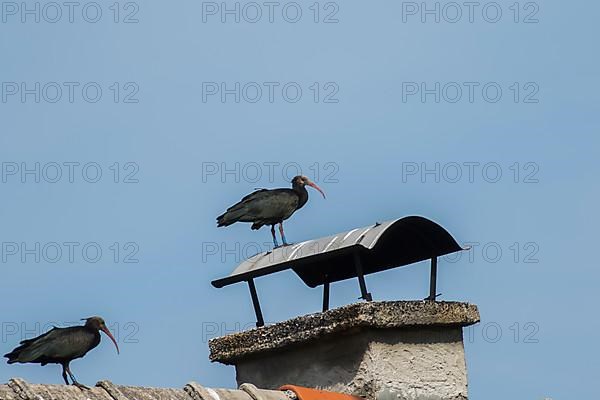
470, 172
68, 172
13, 331
221, 252
236, 252
70, 252
453, 12
69, 92
212, 329
268, 171
270, 92
494, 332
470, 92
525, 252
270, 12
69, 12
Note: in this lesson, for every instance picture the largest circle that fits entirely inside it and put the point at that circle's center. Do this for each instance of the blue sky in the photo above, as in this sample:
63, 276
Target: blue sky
161, 137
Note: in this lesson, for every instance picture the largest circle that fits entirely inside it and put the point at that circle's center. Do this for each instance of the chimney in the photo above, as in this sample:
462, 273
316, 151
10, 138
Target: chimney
377, 350
409, 350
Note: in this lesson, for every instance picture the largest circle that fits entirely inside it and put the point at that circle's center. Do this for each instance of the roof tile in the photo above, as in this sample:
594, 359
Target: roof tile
305, 393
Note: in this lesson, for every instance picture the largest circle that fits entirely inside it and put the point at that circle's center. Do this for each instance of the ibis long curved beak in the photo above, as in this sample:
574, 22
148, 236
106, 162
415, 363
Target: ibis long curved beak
105, 330
312, 184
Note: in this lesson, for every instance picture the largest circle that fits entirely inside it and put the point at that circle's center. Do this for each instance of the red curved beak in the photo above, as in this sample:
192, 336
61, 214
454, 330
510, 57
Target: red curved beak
105, 330
312, 184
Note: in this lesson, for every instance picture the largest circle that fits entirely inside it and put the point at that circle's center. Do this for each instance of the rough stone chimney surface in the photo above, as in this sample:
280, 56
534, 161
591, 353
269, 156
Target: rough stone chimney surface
401, 350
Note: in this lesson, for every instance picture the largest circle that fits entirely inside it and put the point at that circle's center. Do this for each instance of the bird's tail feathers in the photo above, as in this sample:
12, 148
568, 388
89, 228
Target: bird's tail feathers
26, 353
224, 220
231, 216
29, 350
14, 355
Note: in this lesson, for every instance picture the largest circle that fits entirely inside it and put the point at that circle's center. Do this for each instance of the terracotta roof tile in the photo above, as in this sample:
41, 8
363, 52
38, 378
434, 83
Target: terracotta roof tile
304, 393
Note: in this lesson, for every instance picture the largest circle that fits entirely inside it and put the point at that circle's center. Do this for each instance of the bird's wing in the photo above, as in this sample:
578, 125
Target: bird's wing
252, 196
27, 341
265, 204
58, 343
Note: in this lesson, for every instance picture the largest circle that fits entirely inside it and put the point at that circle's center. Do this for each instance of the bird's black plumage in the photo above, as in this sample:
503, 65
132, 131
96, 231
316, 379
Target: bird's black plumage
269, 206
265, 207
56, 346
61, 346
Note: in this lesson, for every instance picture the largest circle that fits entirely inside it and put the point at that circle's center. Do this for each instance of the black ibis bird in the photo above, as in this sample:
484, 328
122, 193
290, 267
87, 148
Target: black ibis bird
61, 346
269, 207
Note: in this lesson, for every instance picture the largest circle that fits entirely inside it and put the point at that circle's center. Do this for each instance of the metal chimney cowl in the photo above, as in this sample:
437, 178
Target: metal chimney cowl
377, 350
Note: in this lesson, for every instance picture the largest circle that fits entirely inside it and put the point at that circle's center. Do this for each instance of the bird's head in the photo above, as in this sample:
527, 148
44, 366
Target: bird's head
301, 181
97, 323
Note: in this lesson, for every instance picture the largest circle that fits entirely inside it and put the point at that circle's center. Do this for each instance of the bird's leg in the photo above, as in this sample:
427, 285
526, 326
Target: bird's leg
75, 383
285, 243
274, 237
64, 374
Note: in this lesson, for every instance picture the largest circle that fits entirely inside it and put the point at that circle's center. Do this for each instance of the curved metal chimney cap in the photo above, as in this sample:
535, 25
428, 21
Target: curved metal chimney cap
380, 247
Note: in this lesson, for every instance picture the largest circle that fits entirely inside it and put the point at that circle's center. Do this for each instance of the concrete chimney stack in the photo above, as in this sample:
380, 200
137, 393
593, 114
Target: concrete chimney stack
405, 350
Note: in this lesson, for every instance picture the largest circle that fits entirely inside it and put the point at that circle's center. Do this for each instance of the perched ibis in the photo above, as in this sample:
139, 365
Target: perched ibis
269, 207
61, 346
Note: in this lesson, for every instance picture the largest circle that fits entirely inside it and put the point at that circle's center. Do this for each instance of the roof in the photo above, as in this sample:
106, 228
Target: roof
380, 246
18, 389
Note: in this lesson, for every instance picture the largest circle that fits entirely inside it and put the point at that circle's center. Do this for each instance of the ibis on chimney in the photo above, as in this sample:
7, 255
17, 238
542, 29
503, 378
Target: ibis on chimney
270, 207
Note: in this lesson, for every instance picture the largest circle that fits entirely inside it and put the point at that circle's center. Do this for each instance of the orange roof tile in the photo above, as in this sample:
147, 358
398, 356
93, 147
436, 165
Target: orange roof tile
304, 393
